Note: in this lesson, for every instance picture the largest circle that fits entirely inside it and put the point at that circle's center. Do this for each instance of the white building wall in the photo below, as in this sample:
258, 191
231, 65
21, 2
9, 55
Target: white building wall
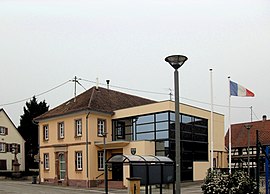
13, 136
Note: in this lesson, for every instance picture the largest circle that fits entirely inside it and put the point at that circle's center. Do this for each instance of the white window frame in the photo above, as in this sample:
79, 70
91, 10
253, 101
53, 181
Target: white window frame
46, 161
78, 125
101, 127
100, 160
46, 132
61, 130
2, 130
79, 164
2, 147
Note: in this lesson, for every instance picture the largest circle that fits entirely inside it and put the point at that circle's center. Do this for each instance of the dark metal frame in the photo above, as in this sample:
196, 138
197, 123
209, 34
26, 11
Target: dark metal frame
143, 162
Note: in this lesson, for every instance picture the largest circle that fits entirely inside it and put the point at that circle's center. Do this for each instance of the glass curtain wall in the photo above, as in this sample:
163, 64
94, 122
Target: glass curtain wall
160, 127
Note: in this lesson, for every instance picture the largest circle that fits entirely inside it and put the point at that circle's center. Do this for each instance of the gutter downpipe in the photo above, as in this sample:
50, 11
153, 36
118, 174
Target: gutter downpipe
86, 143
86, 139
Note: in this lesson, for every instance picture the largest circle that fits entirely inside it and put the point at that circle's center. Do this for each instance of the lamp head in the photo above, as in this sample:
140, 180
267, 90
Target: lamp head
247, 126
176, 61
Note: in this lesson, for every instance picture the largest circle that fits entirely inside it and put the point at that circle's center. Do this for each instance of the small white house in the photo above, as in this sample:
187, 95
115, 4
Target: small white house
10, 139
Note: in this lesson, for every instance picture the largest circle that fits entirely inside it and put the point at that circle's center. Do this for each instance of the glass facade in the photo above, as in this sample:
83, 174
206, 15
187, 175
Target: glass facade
160, 127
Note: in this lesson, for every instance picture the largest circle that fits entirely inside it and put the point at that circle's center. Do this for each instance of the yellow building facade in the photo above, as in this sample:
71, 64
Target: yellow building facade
72, 137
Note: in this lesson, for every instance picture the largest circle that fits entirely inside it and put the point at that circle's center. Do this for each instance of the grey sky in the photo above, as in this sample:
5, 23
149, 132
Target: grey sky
45, 43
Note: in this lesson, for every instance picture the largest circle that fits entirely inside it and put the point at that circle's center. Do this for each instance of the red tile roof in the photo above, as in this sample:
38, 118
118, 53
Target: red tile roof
240, 134
100, 100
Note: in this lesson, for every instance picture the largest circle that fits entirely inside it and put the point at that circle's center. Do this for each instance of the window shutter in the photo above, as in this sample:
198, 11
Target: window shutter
105, 127
6, 147
43, 133
58, 131
76, 167
9, 147
81, 161
75, 129
6, 131
18, 148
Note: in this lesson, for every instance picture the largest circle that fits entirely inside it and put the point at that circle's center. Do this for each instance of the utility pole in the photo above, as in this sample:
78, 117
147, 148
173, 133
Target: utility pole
75, 80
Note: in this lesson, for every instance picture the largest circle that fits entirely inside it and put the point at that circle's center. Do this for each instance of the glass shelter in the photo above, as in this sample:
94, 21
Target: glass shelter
152, 170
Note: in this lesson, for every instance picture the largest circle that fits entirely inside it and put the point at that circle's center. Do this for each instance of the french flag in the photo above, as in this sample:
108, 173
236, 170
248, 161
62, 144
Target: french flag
238, 90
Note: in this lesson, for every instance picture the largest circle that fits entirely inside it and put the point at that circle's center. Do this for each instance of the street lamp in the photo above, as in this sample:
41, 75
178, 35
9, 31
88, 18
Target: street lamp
248, 126
176, 61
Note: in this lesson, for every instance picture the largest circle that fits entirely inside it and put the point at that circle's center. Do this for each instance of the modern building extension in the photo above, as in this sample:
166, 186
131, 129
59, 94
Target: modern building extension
10, 142
74, 134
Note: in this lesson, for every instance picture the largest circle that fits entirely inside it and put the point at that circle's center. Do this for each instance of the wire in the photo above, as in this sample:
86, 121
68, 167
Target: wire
119, 87
159, 93
25, 99
255, 114
81, 85
219, 105
125, 88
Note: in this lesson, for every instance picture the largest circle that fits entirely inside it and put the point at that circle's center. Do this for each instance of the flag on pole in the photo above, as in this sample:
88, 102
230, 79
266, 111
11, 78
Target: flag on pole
238, 90
235, 90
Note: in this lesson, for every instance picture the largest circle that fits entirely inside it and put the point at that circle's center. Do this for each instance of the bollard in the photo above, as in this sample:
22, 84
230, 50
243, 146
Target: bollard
134, 185
34, 179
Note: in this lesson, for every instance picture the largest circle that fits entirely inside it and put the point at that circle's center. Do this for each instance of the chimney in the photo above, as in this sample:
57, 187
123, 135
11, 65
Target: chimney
108, 83
97, 83
264, 117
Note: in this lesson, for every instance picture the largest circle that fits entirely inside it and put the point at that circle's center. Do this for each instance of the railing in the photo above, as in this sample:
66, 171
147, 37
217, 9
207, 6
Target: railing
100, 175
98, 181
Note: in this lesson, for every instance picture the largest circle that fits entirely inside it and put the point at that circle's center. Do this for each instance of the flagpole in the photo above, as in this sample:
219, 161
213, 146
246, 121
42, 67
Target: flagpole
251, 114
230, 135
212, 123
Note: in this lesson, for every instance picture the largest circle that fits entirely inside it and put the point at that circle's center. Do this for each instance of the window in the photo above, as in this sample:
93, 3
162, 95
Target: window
46, 132
78, 160
78, 127
46, 161
162, 116
101, 127
61, 130
2, 147
100, 160
3, 130
120, 130
145, 119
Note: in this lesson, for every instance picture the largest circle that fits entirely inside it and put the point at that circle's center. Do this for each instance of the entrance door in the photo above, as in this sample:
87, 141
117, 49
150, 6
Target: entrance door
117, 171
62, 167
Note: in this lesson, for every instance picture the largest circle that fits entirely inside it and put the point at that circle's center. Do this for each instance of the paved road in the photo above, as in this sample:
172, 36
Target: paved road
25, 187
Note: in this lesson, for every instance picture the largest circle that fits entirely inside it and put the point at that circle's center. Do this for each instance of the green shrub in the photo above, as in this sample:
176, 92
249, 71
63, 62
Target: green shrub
235, 183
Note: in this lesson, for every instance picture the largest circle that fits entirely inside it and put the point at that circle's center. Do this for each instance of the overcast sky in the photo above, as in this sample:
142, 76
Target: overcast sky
46, 43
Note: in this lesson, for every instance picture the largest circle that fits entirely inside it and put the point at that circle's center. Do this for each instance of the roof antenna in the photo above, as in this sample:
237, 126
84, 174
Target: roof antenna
170, 94
97, 83
108, 83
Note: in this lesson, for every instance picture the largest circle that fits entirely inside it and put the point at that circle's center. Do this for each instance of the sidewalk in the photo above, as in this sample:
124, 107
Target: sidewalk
26, 187
186, 188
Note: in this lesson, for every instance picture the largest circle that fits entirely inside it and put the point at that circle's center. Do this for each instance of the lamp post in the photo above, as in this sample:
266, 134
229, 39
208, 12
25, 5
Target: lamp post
248, 126
176, 61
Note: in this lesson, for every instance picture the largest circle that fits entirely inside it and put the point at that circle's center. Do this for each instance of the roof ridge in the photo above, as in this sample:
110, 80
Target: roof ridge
99, 100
